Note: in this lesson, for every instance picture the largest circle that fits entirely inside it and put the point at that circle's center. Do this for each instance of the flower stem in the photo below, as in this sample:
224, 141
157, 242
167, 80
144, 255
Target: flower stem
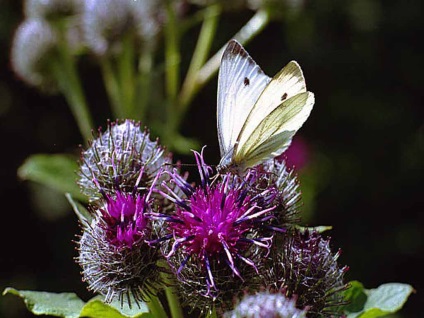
112, 87
174, 304
252, 28
145, 64
126, 69
199, 72
172, 297
172, 73
66, 73
204, 42
172, 54
155, 306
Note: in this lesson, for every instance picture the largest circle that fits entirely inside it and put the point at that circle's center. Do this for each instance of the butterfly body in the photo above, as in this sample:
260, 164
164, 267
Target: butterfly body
257, 116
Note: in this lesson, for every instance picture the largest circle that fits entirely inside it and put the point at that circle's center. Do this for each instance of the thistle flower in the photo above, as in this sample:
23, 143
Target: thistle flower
282, 188
114, 253
266, 305
33, 49
211, 239
52, 9
121, 158
106, 22
306, 268
147, 17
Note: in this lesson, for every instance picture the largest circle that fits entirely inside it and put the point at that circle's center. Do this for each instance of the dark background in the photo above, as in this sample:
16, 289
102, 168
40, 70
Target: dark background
365, 138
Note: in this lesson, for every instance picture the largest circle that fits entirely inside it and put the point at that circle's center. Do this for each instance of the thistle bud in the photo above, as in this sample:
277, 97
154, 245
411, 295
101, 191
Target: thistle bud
282, 192
52, 9
107, 22
147, 18
266, 305
33, 49
122, 158
306, 268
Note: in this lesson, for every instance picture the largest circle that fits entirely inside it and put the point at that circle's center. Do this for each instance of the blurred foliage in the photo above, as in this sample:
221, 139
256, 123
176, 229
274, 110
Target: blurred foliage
363, 61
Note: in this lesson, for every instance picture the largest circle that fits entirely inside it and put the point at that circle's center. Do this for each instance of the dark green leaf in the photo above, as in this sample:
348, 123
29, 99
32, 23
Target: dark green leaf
66, 305
55, 171
356, 297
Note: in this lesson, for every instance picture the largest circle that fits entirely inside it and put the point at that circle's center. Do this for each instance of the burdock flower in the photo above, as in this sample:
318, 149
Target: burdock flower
211, 238
108, 22
281, 187
121, 158
52, 9
306, 268
266, 305
114, 252
34, 48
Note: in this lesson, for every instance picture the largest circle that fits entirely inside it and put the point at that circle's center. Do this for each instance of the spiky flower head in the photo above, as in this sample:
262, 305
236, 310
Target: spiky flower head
34, 48
108, 23
282, 191
266, 305
114, 252
211, 238
52, 9
122, 158
305, 267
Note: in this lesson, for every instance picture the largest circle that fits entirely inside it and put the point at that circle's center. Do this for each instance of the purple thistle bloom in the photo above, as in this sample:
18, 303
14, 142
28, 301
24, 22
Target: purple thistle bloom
124, 219
212, 234
114, 250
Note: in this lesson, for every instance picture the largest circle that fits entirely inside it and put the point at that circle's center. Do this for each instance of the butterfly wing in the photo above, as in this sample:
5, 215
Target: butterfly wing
273, 135
240, 83
285, 84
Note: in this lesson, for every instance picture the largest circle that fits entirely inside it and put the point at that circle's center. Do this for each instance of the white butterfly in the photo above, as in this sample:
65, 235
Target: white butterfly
257, 116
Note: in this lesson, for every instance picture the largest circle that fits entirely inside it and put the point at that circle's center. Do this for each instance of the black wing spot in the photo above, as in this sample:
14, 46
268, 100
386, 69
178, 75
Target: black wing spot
284, 96
246, 81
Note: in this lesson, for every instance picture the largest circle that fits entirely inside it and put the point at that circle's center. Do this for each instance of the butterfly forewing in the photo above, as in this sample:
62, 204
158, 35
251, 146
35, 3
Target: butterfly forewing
274, 133
240, 82
284, 85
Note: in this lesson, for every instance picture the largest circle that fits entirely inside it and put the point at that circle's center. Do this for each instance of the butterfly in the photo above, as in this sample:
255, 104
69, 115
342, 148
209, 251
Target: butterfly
257, 116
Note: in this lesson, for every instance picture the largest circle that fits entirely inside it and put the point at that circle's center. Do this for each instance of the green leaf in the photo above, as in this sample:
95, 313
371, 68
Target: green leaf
386, 299
66, 305
79, 209
356, 297
55, 171
97, 308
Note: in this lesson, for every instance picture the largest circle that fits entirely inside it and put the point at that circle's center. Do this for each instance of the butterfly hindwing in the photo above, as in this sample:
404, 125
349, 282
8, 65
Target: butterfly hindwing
273, 135
284, 85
